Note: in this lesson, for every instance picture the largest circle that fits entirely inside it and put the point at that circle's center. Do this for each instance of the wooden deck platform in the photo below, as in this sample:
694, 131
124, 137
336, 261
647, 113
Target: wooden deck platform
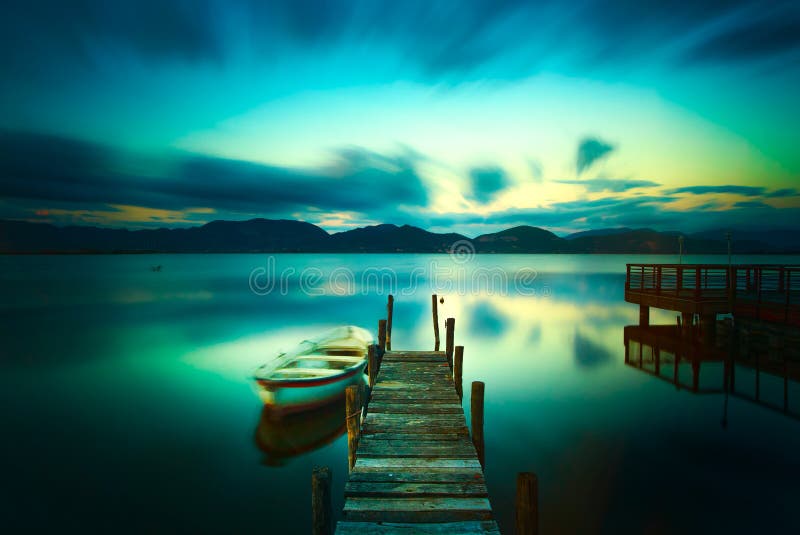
416, 469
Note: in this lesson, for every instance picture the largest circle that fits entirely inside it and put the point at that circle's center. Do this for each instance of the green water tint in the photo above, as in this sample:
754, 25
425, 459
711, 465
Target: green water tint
127, 393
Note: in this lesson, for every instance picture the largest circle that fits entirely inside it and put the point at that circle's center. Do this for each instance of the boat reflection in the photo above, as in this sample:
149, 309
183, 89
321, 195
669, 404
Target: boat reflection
284, 436
755, 364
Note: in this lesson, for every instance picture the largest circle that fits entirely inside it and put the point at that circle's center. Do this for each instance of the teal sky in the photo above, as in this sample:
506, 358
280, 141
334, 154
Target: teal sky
465, 116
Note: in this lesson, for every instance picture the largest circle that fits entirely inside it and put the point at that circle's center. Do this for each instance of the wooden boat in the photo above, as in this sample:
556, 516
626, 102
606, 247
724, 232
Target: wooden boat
316, 372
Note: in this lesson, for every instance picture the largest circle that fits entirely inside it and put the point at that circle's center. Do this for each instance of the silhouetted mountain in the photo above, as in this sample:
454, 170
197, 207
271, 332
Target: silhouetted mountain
391, 238
597, 232
523, 239
267, 235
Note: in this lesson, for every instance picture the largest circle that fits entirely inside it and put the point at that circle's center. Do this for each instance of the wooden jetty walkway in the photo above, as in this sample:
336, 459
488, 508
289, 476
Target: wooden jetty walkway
414, 465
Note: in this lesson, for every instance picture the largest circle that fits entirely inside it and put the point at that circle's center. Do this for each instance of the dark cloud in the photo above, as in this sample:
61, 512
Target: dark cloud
750, 204
611, 184
589, 151
748, 191
446, 40
785, 192
487, 182
49, 168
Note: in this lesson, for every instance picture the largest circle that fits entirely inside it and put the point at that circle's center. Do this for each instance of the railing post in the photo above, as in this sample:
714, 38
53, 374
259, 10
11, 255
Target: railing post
458, 367
697, 281
353, 415
450, 325
527, 506
321, 516
476, 411
679, 281
372, 364
382, 335
435, 311
389, 311
628, 277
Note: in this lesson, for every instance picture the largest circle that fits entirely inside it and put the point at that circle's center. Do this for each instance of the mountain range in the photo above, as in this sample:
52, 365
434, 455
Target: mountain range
281, 235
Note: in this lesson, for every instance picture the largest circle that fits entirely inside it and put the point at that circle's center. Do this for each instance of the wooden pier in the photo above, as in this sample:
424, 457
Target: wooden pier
769, 293
416, 468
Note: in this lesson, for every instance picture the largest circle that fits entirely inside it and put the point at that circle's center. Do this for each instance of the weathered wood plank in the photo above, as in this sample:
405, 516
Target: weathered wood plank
417, 463
417, 475
486, 527
390, 489
417, 509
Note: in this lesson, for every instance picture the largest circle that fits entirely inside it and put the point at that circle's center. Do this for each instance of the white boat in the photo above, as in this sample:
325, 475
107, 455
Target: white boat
316, 372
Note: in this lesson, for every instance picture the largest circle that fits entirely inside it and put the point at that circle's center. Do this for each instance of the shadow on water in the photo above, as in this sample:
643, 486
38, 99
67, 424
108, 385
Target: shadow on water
284, 436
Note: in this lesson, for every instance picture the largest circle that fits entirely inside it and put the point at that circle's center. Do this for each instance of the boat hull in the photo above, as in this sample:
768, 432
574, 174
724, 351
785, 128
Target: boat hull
287, 396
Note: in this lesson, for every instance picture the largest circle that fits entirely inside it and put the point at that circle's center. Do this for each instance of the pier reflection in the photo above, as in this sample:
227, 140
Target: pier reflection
757, 363
284, 436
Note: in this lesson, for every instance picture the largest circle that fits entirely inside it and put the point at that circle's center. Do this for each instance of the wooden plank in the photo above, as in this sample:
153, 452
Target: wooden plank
415, 408
418, 463
487, 527
418, 475
417, 509
432, 435
390, 489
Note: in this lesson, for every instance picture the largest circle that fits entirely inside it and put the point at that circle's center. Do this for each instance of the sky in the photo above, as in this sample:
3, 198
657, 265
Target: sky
466, 116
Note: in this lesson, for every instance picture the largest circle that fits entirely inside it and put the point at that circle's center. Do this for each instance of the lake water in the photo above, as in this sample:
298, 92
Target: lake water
127, 402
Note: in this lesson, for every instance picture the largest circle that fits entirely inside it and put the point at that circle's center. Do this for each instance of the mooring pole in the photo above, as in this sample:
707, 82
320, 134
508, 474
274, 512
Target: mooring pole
321, 516
527, 506
382, 335
450, 325
476, 407
389, 311
458, 367
353, 411
372, 364
435, 310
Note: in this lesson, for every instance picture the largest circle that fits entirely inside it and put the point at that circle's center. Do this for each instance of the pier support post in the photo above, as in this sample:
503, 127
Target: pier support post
382, 335
321, 516
527, 506
687, 321
372, 364
644, 315
353, 412
389, 311
435, 311
708, 326
458, 367
476, 411
450, 325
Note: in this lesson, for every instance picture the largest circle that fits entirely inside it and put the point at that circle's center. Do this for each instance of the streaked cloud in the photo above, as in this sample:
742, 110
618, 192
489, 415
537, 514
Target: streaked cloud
591, 150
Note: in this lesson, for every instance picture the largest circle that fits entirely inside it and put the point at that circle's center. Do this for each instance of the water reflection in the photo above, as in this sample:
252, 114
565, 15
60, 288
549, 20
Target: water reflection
759, 364
284, 436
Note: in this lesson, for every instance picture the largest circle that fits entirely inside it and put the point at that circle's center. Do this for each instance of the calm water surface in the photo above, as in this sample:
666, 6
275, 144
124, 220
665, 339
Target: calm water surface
126, 400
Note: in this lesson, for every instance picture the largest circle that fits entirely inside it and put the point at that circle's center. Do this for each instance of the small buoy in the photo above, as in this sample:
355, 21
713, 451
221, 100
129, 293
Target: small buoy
441, 300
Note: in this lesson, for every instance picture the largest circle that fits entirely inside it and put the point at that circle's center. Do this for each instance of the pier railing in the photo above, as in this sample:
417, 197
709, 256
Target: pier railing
751, 286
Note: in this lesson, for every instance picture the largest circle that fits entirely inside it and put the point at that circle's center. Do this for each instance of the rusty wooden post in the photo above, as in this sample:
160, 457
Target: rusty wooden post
527, 506
382, 335
476, 410
458, 367
450, 326
321, 516
353, 412
389, 311
435, 310
372, 364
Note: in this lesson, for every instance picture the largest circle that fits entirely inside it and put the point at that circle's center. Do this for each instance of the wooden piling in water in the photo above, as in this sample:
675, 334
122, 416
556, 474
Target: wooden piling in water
476, 410
353, 412
450, 326
382, 335
389, 313
372, 364
458, 368
527, 505
321, 512
435, 310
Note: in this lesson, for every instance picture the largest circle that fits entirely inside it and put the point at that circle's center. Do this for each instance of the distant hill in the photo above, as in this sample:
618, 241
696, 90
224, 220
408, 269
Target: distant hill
391, 238
523, 239
281, 235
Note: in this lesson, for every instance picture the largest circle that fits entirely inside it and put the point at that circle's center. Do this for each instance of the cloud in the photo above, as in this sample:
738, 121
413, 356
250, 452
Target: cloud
591, 150
486, 182
747, 191
610, 184
750, 204
56, 169
785, 192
